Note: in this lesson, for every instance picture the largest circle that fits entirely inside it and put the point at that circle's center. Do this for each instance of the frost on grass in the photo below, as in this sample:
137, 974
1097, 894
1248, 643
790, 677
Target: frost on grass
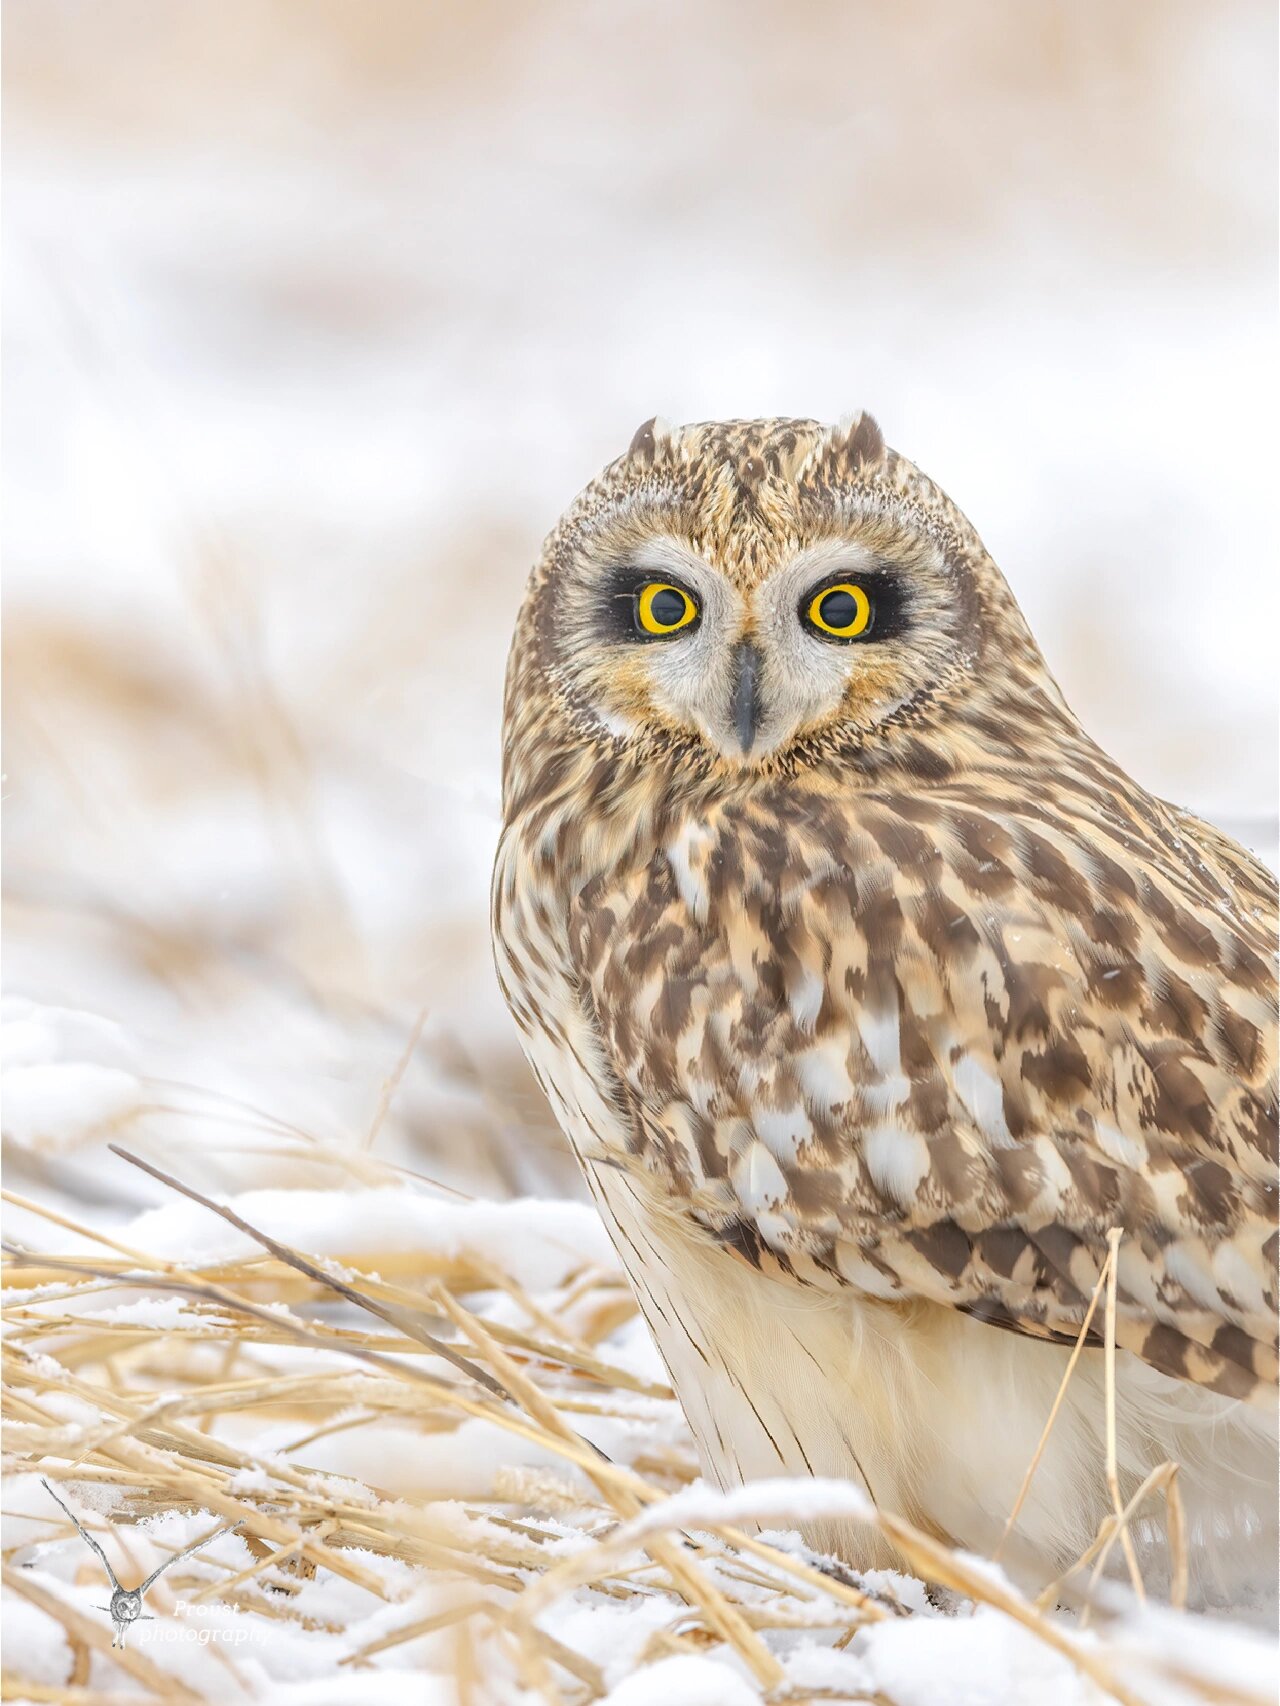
406, 1529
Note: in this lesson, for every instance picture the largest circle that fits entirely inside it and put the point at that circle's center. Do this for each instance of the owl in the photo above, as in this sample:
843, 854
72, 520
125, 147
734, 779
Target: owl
872, 995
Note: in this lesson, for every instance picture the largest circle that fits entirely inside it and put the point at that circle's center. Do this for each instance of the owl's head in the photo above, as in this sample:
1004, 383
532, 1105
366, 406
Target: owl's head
749, 595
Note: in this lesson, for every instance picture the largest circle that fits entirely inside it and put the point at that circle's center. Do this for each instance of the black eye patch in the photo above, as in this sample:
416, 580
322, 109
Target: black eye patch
835, 609
645, 605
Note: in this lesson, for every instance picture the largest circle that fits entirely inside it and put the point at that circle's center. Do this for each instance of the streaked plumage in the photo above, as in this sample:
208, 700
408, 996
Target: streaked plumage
867, 1036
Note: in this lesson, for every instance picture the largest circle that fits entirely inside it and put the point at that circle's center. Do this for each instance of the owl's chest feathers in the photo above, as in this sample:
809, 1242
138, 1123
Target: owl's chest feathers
678, 936
636, 1141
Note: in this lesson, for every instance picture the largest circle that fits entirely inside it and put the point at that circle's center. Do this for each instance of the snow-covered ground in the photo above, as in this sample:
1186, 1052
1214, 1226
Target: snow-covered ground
406, 1526
312, 328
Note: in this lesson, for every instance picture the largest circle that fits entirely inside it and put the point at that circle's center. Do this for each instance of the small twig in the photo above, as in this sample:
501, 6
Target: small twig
413, 1631
394, 1317
1113, 1474
1176, 1529
507, 1413
392, 1083
1074, 1358
69, 1225
723, 1617
929, 1558
1117, 1526
260, 1566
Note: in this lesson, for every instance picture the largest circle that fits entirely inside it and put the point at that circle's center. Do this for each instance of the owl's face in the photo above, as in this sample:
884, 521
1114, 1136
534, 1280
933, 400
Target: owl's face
750, 590
126, 1605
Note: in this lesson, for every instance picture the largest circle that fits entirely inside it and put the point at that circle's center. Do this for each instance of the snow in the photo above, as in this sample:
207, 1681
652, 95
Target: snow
540, 1244
38, 1637
65, 1106
246, 1481
469, 1463
363, 1689
1220, 1655
32, 1033
683, 1682
784, 1497
156, 1313
804, 1500
460, 1487
65, 1076
977, 1660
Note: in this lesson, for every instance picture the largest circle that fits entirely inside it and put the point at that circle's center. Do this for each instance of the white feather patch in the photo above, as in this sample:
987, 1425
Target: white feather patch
783, 1131
897, 1160
1187, 1262
884, 1098
805, 999
757, 1179
981, 1093
823, 1071
1237, 1276
881, 1035
1116, 1146
685, 856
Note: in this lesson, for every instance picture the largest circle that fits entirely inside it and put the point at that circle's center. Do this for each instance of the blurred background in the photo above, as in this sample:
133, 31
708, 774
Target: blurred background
319, 314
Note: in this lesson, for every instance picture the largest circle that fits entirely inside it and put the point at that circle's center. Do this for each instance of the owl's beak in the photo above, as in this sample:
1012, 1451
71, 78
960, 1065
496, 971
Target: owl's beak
745, 704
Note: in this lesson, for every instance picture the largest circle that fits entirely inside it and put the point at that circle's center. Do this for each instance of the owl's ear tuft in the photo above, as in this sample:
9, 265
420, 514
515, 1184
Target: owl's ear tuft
859, 440
652, 439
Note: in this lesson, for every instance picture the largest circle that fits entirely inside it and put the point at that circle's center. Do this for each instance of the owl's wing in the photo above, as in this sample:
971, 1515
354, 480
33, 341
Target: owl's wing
942, 1053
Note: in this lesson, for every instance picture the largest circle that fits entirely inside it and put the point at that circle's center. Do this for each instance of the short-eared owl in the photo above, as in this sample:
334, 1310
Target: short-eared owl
872, 995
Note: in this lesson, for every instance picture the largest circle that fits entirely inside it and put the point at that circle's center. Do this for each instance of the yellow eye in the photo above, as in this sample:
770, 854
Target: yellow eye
664, 609
843, 611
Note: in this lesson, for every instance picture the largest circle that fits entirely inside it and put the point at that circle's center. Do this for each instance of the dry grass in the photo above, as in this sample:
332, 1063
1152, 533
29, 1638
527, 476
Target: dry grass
157, 1391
